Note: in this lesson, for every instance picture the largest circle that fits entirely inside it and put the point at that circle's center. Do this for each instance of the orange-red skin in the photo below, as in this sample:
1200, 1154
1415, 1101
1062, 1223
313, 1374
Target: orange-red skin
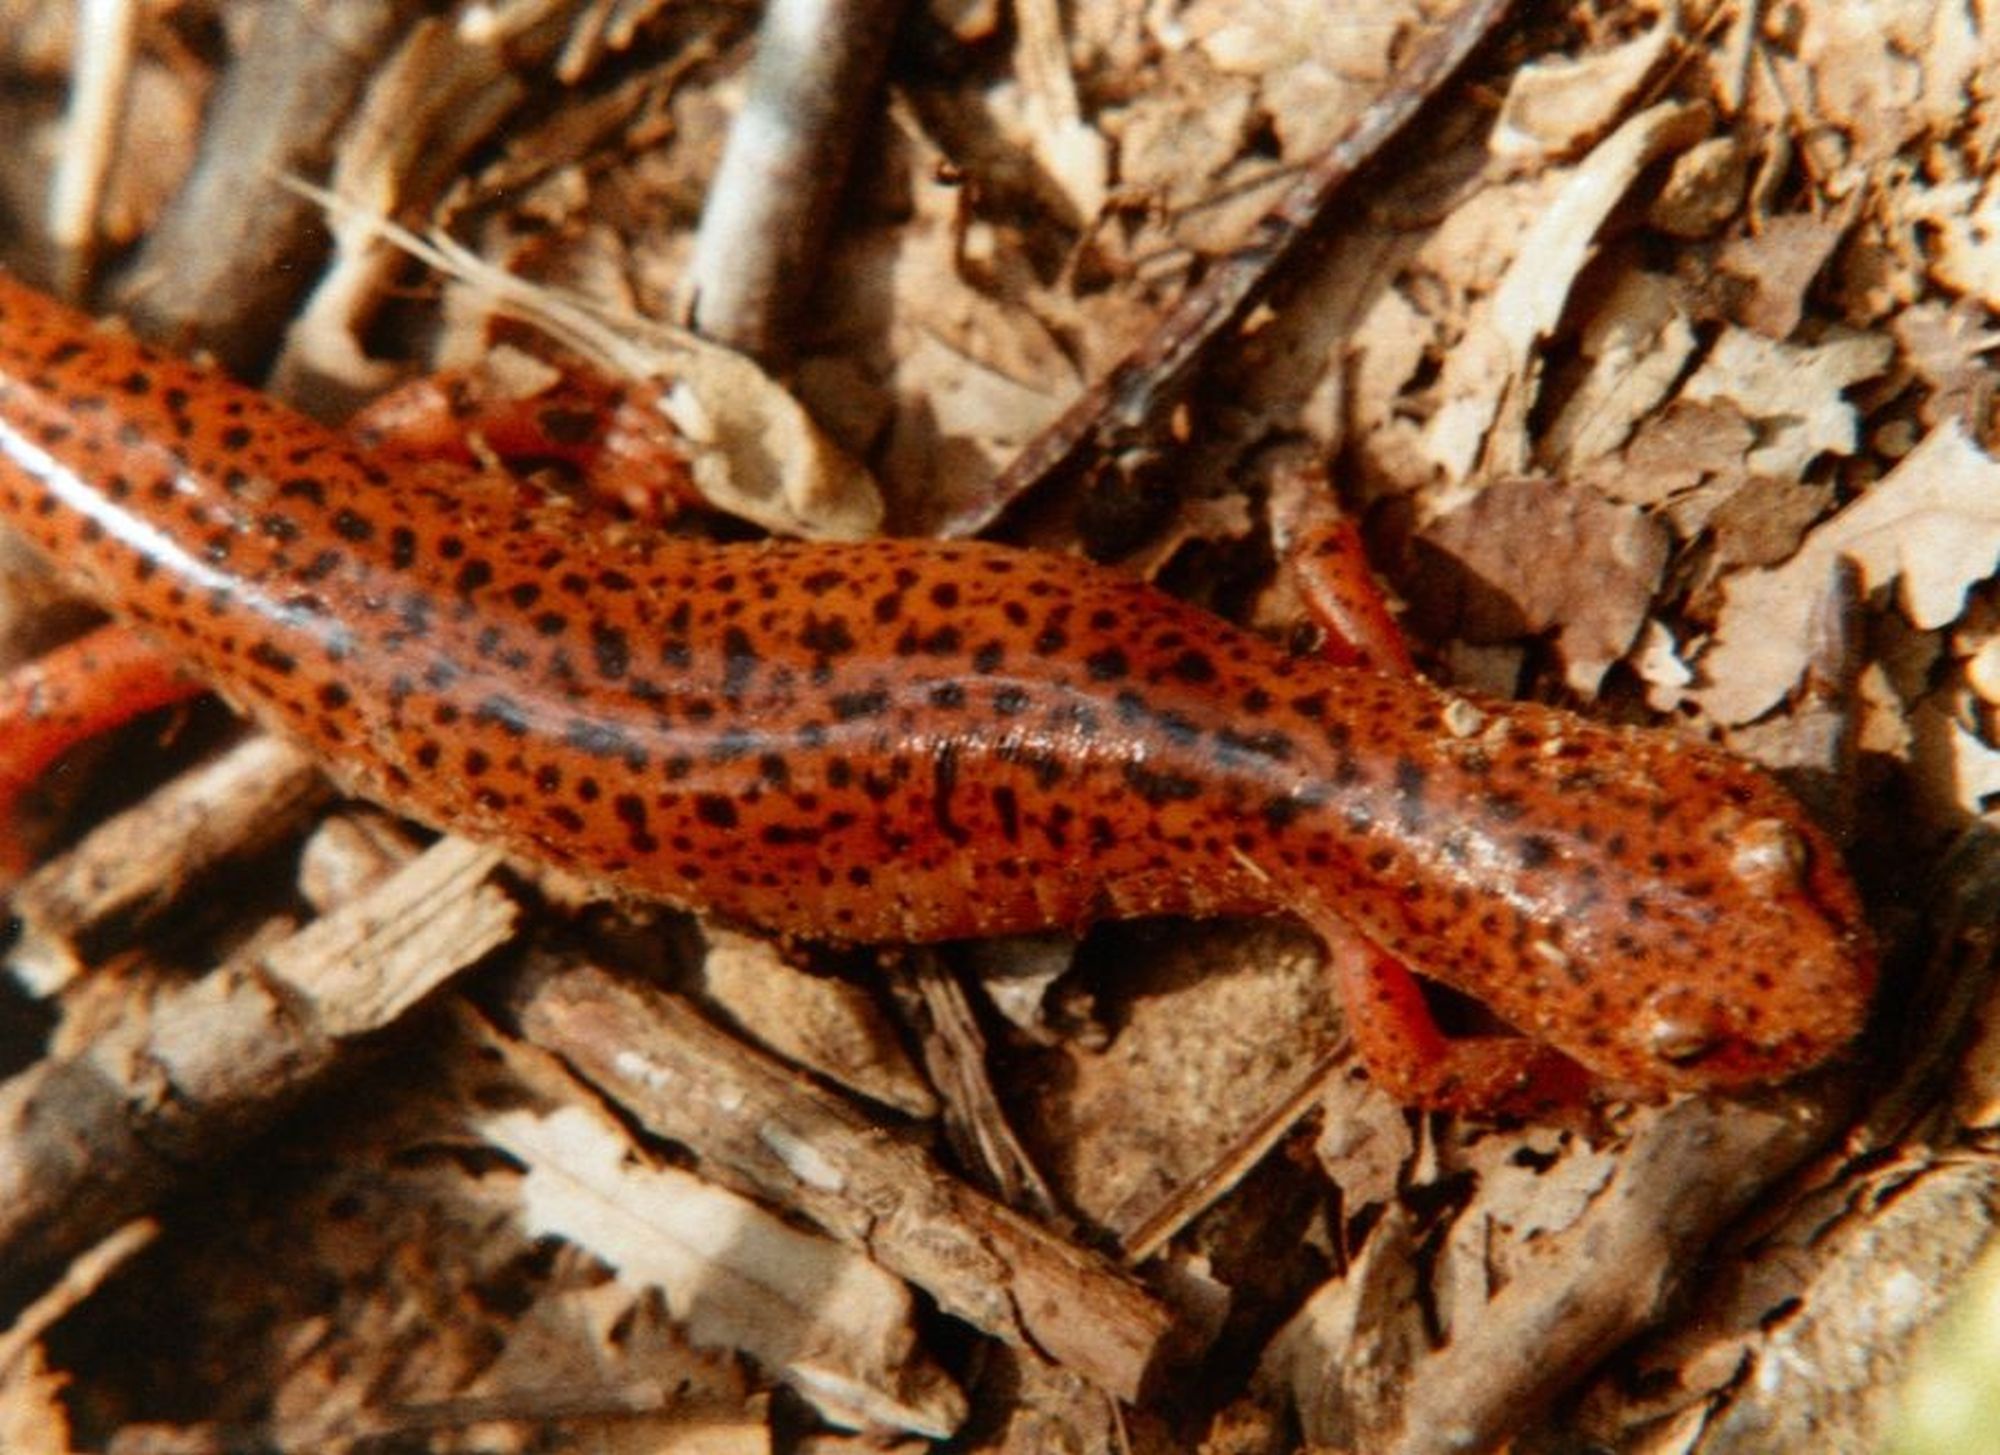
905, 740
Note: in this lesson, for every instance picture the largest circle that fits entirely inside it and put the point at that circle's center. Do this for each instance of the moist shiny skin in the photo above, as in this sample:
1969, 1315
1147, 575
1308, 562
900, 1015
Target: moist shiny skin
906, 740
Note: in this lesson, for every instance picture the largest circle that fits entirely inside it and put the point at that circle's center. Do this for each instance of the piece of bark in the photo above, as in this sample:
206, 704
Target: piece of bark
231, 808
758, 1122
1552, 1263
954, 1050
89, 1140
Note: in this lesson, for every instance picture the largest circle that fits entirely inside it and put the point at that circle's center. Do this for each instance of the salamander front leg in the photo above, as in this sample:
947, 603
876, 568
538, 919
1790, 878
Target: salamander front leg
1394, 1030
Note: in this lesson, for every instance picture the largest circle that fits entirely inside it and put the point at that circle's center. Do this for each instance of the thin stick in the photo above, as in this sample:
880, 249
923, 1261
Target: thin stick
1115, 415
817, 69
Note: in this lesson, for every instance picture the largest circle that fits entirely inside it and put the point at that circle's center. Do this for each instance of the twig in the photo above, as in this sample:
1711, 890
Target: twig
817, 69
103, 70
753, 1119
279, 111
1115, 416
89, 1140
232, 808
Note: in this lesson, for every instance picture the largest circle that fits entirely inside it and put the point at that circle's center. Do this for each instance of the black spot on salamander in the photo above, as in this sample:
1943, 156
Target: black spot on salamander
945, 594
715, 810
602, 740
402, 548
944, 779
551, 624
1193, 666
1281, 813
472, 576
1412, 780
1536, 850
279, 527
1157, 786
774, 770
850, 706
565, 818
609, 646
1010, 701
1109, 664
820, 582
740, 660
273, 659
321, 566
1007, 806
351, 525
333, 696
827, 636
1181, 730
504, 713
988, 658
948, 695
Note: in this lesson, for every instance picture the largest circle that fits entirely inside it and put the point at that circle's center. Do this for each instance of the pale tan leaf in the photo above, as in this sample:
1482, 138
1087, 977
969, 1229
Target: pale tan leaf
1932, 524
1794, 391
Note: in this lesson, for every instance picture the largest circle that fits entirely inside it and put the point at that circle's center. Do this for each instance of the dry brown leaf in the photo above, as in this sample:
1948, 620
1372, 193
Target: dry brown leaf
1637, 344
1778, 263
1932, 524
1494, 359
1557, 106
1534, 554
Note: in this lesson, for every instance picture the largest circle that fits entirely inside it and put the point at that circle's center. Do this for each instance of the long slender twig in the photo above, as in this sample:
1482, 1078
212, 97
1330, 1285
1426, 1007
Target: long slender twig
1116, 414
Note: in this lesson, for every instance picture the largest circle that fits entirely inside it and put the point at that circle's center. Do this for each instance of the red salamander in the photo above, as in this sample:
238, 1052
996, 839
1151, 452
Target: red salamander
906, 740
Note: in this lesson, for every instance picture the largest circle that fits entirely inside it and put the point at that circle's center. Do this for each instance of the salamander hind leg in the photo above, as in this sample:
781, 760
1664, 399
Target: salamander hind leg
80, 691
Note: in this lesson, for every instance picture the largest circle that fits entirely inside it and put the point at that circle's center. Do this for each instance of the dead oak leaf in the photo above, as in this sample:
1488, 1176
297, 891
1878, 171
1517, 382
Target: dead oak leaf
1932, 525
1526, 555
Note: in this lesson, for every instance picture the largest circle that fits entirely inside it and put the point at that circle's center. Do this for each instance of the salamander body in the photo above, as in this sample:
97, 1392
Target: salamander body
903, 740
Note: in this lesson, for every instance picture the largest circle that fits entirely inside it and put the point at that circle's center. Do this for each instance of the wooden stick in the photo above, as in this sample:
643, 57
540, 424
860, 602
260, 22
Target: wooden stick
754, 1120
90, 1140
1115, 416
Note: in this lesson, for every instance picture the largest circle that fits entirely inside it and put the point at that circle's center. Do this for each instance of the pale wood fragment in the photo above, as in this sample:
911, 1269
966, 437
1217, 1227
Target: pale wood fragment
757, 1122
91, 1139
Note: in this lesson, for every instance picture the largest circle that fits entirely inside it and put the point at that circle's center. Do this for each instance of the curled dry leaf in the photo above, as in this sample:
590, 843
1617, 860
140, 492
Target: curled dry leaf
755, 452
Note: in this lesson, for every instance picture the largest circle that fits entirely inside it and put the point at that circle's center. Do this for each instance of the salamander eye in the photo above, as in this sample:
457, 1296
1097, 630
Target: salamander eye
1680, 1042
1681, 1027
1769, 856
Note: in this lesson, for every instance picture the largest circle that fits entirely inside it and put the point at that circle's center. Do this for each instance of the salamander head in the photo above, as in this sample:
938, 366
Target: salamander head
1754, 964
